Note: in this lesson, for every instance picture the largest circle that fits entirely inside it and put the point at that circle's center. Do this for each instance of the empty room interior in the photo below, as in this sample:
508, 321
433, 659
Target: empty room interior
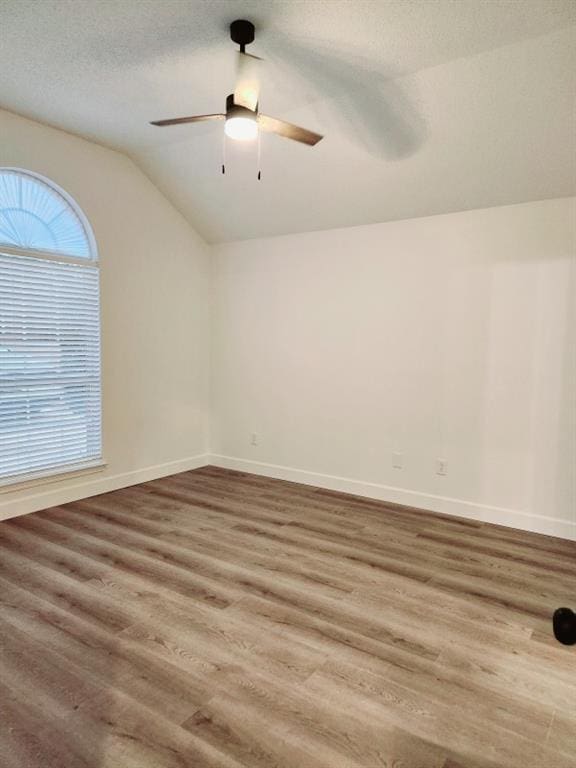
287, 384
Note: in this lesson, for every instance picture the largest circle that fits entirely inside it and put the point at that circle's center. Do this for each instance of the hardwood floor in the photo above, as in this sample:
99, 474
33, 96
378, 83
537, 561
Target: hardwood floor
215, 618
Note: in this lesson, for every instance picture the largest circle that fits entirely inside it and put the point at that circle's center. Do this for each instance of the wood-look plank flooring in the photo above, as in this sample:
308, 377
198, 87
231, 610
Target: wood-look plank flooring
216, 619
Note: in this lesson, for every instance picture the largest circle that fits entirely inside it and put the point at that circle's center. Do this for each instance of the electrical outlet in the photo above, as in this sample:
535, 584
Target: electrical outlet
254, 438
441, 467
397, 460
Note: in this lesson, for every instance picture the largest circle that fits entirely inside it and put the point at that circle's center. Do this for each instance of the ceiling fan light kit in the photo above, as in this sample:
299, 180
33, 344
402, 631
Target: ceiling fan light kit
242, 119
241, 123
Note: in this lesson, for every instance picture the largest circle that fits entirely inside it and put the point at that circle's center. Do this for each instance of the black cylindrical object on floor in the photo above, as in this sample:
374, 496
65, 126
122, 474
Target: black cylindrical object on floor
564, 623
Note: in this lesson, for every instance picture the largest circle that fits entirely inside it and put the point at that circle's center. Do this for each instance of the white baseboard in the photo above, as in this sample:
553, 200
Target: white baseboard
62, 492
458, 507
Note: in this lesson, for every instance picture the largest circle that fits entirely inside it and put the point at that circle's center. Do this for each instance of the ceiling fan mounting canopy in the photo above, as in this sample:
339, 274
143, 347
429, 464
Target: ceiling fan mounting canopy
242, 33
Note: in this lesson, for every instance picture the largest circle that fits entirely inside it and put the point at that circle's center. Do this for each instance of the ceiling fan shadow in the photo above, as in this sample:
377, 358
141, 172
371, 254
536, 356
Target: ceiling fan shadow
373, 108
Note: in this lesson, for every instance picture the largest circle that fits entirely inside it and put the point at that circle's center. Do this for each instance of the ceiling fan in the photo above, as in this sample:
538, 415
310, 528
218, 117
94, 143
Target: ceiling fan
243, 120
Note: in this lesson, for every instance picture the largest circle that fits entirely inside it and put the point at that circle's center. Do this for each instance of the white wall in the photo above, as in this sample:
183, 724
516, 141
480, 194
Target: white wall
155, 315
445, 337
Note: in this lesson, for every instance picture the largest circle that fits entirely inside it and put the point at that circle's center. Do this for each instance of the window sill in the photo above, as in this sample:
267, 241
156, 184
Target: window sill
21, 482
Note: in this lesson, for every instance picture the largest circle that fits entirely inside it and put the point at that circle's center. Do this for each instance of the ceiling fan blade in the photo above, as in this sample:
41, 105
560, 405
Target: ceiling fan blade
247, 88
193, 119
288, 130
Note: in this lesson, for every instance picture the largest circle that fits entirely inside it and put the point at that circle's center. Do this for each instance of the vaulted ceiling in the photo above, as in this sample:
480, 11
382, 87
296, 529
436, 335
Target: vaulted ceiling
428, 106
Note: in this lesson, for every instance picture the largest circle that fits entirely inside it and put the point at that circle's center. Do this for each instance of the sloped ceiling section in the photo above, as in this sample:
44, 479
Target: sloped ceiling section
428, 106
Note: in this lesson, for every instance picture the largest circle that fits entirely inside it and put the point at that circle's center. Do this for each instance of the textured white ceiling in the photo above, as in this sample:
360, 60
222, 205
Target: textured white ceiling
428, 106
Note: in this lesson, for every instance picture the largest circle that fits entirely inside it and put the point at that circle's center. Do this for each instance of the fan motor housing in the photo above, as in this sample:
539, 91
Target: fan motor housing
237, 110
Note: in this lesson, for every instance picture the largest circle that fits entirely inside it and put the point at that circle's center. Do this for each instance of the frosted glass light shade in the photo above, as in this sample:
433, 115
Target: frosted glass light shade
241, 128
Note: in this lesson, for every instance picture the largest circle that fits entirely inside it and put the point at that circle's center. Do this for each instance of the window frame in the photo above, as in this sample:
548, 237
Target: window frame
11, 483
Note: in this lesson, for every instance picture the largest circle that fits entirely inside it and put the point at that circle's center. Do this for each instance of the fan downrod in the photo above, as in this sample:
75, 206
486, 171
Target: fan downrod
242, 33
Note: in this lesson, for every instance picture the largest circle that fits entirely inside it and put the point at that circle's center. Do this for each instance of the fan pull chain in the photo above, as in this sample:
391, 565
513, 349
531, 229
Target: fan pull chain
259, 153
223, 152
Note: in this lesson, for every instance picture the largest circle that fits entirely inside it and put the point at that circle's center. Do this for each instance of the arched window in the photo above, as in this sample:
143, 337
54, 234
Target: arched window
50, 412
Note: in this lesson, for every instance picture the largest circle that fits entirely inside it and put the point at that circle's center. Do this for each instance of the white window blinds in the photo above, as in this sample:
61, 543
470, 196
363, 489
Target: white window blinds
49, 365
50, 411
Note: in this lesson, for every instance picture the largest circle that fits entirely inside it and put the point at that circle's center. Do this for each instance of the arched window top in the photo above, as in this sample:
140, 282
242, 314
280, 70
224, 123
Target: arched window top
36, 216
